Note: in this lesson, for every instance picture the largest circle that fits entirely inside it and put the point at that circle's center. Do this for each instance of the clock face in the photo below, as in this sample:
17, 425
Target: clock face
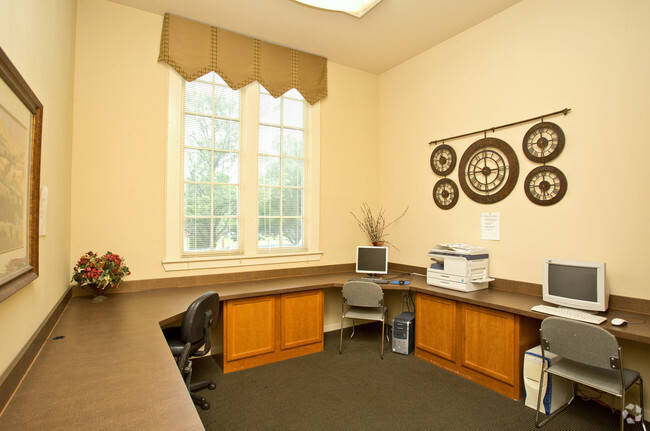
445, 193
545, 185
488, 170
543, 142
443, 160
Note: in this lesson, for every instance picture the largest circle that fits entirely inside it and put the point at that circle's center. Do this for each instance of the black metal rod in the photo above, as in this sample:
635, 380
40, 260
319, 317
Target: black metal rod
492, 129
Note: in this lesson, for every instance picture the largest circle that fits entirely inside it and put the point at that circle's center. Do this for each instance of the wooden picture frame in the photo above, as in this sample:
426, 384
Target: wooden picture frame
21, 124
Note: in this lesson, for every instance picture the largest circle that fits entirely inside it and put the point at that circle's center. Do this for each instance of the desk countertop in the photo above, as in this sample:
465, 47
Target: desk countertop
113, 370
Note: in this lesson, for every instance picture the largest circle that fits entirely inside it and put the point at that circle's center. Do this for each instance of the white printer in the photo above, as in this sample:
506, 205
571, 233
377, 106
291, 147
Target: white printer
459, 267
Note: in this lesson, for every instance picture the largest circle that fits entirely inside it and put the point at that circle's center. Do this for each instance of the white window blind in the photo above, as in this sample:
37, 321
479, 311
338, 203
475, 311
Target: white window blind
243, 174
281, 171
211, 158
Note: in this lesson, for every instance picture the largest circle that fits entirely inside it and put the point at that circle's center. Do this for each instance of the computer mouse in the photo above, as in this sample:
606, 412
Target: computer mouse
401, 282
619, 322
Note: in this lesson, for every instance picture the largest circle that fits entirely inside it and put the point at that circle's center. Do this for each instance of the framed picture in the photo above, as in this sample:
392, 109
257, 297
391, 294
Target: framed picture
21, 123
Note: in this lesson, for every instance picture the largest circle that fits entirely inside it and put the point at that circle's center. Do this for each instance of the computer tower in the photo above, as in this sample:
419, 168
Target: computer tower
404, 333
555, 392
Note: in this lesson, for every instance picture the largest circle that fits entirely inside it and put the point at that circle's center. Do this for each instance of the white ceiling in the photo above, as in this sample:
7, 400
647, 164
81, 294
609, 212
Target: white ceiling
391, 33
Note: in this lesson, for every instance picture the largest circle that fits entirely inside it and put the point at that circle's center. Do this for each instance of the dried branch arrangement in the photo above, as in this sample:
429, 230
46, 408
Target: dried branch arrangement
374, 227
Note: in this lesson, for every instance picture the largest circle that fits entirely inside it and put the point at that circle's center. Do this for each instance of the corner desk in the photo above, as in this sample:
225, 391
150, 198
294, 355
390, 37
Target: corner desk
107, 366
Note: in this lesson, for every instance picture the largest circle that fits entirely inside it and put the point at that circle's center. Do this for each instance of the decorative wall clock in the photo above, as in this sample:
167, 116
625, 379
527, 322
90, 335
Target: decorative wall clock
443, 160
488, 170
445, 193
543, 142
545, 185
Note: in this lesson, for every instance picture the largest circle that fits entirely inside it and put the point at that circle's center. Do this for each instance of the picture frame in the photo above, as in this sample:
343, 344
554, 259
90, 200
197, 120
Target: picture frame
21, 125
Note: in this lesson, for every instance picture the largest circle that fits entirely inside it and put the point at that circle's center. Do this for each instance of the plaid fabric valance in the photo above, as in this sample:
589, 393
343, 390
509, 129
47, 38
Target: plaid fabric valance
194, 49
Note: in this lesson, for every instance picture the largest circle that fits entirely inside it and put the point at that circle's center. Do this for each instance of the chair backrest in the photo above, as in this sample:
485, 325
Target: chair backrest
363, 294
579, 341
199, 318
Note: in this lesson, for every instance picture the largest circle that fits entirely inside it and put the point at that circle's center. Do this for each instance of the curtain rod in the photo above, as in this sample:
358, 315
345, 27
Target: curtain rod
492, 129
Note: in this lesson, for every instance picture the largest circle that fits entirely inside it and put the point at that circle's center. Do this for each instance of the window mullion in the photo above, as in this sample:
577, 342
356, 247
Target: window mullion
249, 181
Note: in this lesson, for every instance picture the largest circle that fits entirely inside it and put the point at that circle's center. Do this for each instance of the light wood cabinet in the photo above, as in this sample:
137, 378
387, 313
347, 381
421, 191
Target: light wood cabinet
271, 328
435, 319
250, 329
301, 319
481, 344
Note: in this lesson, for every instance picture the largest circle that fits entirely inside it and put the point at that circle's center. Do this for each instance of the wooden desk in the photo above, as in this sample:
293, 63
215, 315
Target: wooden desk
113, 369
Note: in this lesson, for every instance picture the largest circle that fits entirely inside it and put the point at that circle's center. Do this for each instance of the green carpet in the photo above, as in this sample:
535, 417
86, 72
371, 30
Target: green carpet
360, 391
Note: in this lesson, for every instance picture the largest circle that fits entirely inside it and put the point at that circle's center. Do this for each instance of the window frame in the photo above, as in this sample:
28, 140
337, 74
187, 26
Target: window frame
174, 258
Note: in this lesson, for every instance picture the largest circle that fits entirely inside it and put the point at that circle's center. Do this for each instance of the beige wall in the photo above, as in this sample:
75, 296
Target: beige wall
120, 134
534, 58
38, 37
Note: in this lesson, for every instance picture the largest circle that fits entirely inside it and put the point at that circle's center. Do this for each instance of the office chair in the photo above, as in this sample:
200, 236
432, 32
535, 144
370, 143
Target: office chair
185, 340
363, 300
589, 355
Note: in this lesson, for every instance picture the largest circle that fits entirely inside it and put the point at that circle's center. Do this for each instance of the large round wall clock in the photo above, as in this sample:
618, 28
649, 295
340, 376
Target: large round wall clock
488, 170
543, 142
545, 185
445, 194
443, 160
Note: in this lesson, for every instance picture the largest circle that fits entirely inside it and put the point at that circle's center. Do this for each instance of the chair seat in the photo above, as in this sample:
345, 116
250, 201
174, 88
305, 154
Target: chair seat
367, 313
599, 378
173, 337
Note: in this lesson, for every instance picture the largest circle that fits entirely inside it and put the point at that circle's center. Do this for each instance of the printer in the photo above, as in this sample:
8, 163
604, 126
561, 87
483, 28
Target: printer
458, 267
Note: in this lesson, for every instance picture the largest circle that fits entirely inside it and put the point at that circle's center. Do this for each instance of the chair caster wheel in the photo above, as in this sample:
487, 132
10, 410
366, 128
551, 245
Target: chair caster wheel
212, 386
205, 405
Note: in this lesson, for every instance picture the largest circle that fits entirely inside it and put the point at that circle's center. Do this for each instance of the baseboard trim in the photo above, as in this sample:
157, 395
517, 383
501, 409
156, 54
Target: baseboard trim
11, 378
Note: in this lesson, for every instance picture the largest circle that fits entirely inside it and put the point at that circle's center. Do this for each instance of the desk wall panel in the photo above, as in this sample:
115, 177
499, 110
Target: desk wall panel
301, 319
250, 327
481, 344
436, 320
488, 344
272, 328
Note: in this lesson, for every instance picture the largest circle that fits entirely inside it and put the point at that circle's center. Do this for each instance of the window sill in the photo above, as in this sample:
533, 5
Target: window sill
186, 264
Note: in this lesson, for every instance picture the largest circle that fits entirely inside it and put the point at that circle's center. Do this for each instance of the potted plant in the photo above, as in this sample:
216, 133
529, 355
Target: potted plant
375, 227
100, 273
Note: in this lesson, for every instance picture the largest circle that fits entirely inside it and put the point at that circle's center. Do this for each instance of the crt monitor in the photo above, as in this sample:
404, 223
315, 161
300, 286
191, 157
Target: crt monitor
575, 284
372, 260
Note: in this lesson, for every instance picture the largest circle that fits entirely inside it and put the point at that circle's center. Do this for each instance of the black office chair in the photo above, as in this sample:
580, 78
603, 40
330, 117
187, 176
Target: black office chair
185, 341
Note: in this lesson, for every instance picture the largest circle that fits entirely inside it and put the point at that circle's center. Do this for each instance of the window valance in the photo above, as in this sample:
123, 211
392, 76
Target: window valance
194, 49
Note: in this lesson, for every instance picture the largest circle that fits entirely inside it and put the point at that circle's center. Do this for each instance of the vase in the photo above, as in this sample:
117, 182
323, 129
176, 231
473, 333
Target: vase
378, 243
100, 297
99, 294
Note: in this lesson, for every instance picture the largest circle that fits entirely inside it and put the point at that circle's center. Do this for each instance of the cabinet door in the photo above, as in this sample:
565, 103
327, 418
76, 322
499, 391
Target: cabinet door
249, 327
301, 320
488, 342
435, 321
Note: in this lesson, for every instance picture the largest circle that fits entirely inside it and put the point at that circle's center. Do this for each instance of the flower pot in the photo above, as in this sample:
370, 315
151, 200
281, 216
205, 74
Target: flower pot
99, 294
99, 298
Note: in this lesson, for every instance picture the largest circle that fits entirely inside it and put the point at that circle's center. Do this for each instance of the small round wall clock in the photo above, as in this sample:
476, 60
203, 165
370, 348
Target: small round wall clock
543, 142
443, 160
545, 185
445, 193
488, 170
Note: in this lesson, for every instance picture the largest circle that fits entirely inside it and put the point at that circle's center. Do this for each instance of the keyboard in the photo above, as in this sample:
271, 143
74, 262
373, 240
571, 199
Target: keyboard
377, 280
570, 314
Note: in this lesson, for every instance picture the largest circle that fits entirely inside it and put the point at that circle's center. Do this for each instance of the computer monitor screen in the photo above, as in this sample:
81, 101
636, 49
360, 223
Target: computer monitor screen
575, 284
372, 260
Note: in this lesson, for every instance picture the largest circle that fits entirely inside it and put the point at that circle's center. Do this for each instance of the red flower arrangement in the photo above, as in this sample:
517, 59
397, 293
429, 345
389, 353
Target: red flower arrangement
101, 273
